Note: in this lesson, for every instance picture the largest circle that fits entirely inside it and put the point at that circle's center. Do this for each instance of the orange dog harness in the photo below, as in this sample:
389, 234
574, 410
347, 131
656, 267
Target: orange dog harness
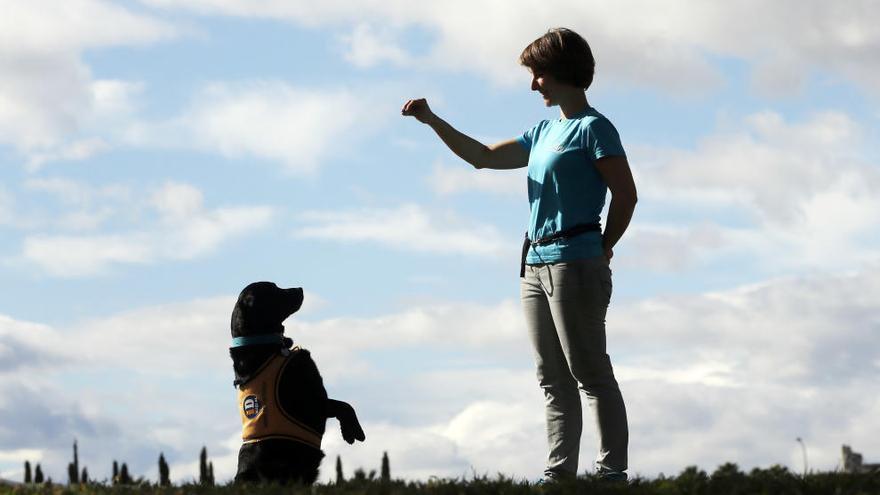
261, 414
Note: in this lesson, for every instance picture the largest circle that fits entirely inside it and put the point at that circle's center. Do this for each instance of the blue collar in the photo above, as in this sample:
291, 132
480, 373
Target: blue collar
272, 338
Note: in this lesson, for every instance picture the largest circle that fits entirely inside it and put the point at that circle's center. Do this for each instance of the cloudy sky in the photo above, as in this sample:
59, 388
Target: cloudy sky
158, 155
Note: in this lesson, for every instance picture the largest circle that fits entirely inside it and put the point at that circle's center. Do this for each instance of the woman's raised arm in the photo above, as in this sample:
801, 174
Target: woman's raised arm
504, 155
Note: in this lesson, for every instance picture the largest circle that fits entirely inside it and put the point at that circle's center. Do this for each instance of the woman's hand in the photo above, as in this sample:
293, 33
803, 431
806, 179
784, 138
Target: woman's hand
609, 253
419, 109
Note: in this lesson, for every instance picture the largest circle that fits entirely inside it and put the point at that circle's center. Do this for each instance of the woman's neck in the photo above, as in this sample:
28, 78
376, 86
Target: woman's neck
573, 104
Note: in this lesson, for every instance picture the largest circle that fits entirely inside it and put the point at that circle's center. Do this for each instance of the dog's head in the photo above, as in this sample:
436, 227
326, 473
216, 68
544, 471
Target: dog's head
262, 307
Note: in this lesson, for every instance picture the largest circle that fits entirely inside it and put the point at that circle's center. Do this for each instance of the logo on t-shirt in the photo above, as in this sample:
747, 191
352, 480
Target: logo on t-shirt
559, 148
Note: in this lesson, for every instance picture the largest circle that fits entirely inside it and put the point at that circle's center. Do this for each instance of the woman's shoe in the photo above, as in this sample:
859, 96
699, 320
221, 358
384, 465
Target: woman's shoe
615, 476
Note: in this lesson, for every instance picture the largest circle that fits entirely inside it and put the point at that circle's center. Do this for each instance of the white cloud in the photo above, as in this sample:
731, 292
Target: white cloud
73, 151
7, 204
267, 119
668, 45
447, 180
110, 106
47, 93
113, 98
797, 331
486, 437
368, 46
68, 256
22, 345
16, 456
41, 97
796, 191
408, 228
73, 206
46, 26
184, 230
77, 193
199, 330
671, 248
707, 378
452, 326
769, 166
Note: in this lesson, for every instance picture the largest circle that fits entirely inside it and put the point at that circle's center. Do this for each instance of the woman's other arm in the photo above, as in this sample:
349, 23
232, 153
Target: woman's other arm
500, 156
617, 174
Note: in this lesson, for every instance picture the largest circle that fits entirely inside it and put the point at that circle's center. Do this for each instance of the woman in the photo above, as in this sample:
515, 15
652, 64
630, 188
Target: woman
566, 278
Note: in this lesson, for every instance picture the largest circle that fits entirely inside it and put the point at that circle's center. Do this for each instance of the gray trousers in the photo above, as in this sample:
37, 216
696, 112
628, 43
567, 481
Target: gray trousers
565, 306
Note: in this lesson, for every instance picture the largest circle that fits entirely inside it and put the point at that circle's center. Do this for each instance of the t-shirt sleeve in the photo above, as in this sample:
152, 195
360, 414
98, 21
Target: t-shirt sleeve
602, 139
528, 138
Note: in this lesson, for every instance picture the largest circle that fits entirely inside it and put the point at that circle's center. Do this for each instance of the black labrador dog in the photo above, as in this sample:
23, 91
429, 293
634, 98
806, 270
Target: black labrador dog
282, 401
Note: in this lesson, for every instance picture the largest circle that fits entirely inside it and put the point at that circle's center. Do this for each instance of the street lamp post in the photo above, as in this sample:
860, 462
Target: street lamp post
804, 450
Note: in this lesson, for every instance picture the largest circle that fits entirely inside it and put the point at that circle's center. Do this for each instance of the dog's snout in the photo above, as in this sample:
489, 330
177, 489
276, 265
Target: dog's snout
296, 296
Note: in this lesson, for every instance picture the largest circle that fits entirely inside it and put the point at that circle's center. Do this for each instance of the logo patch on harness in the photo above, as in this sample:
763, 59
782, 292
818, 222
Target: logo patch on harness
251, 406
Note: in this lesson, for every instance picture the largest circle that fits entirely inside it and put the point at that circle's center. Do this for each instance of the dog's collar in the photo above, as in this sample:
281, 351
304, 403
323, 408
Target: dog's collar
272, 338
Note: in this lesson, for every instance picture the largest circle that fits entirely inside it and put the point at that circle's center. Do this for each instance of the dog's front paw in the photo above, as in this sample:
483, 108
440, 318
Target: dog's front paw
351, 431
348, 421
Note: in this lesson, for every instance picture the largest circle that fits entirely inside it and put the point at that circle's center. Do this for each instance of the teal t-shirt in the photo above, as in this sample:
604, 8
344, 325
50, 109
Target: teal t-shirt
565, 188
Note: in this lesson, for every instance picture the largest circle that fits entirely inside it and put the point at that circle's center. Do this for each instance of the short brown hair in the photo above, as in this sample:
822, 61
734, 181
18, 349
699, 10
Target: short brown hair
562, 53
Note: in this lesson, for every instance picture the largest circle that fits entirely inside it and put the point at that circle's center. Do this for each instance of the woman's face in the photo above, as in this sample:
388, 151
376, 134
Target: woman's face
545, 84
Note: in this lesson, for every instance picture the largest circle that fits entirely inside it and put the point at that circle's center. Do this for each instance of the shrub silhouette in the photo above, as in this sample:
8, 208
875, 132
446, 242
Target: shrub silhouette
692, 480
774, 479
27, 471
361, 476
729, 479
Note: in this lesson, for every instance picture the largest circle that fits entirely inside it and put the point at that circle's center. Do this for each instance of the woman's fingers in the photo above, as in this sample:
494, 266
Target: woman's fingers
412, 106
419, 109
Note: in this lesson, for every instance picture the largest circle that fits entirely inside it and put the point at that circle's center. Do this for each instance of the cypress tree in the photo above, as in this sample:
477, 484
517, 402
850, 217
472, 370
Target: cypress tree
27, 471
211, 473
38, 474
84, 478
124, 478
115, 472
339, 476
203, 466
163, 471
73, 467
386, 469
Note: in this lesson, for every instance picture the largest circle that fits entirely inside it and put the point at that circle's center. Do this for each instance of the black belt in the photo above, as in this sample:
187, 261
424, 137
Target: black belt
562, 234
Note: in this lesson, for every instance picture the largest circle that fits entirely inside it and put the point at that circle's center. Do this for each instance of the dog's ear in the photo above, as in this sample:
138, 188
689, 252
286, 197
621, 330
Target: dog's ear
240, 313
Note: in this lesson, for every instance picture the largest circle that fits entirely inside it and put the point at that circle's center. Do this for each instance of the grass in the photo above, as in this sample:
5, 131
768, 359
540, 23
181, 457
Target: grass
726, 480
